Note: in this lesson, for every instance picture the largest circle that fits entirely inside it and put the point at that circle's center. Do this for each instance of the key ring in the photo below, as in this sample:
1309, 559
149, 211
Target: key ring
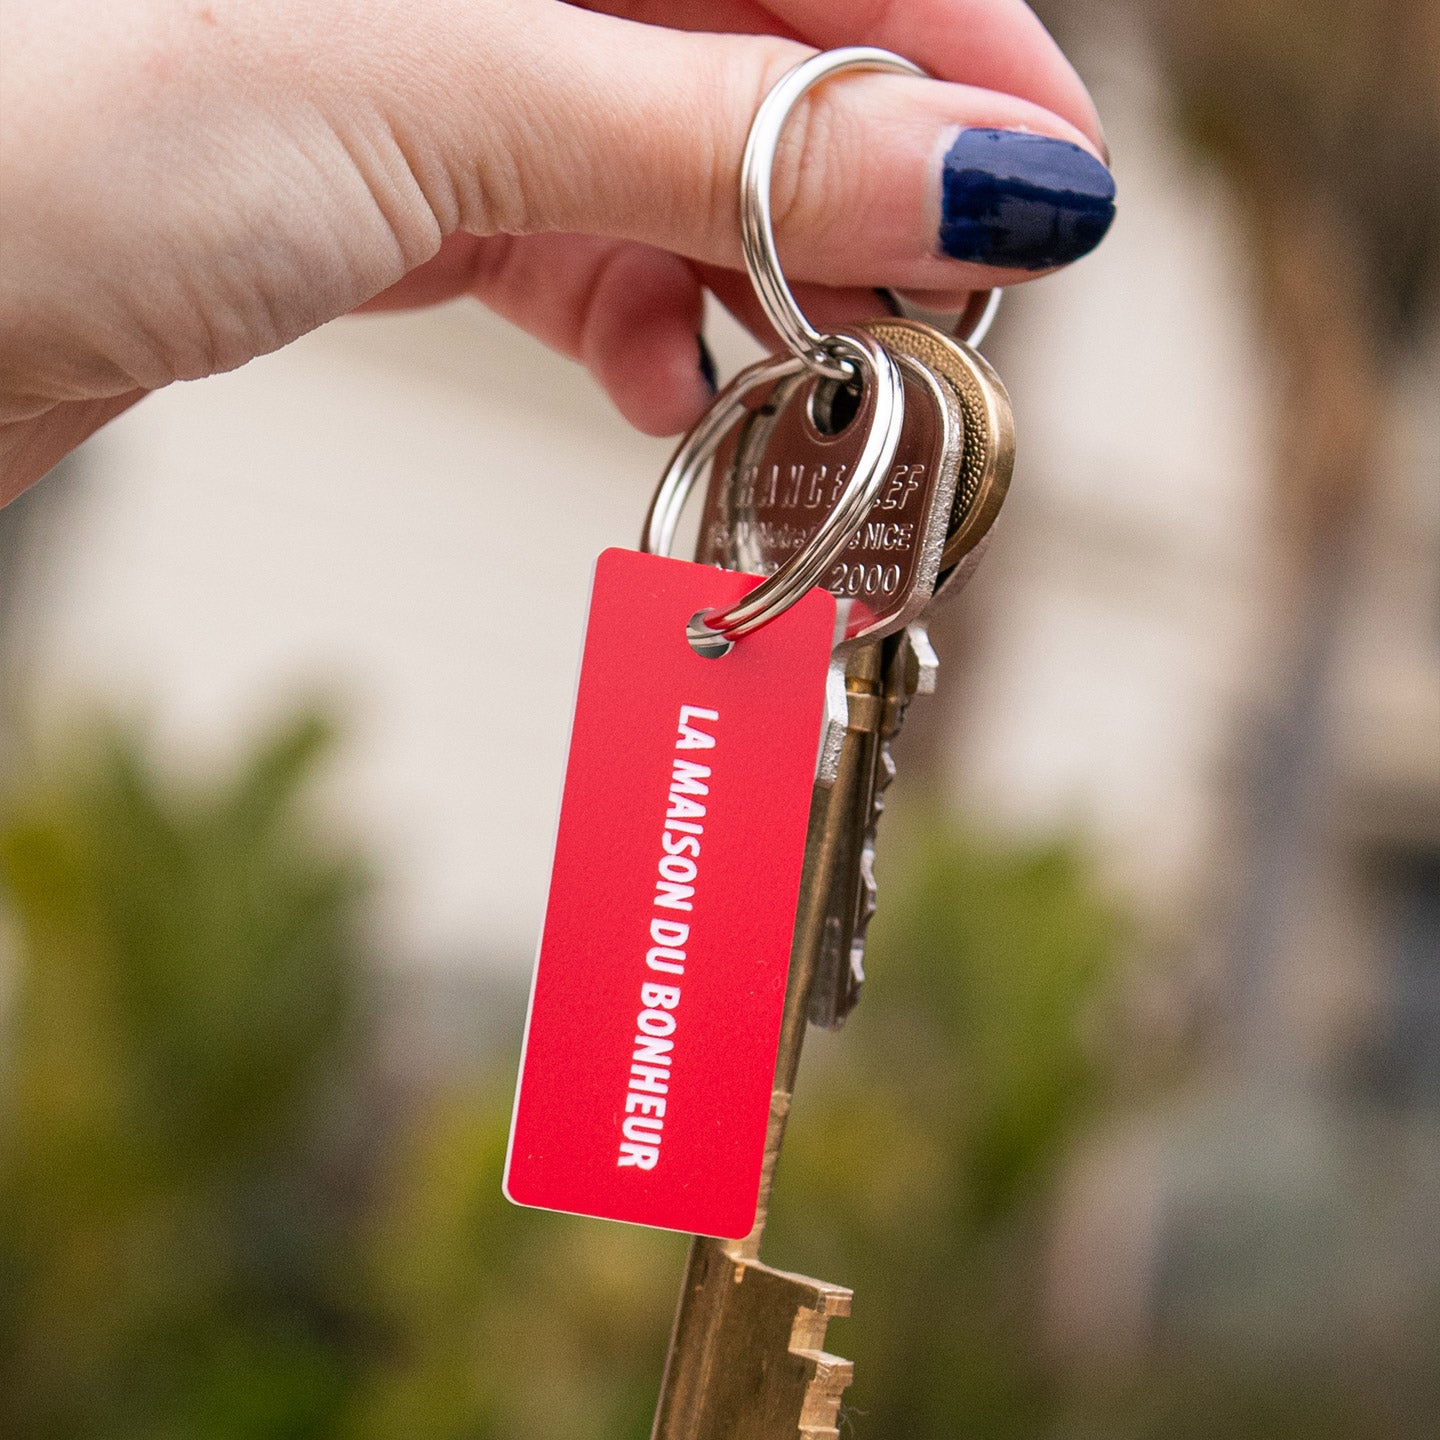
712, 634
757, 230
970, 325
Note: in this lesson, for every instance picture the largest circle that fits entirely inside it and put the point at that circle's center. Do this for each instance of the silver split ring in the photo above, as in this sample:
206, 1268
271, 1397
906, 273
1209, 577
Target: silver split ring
712, 633
757, 230
970, 325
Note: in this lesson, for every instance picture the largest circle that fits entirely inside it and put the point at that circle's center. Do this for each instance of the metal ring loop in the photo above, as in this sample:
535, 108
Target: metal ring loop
712, 633
757, 230
970, 326
700, 444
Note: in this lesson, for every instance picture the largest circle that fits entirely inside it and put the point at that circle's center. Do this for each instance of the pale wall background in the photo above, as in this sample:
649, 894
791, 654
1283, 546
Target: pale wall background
402, 512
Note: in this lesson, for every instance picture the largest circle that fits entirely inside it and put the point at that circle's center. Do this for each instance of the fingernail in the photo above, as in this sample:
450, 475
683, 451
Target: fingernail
1024, 202
708, 373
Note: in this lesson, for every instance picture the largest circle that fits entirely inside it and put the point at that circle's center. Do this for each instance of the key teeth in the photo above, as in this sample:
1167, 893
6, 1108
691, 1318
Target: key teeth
921, 662
756, 1367
829, 1375
885, 776
820, 1417
832, 733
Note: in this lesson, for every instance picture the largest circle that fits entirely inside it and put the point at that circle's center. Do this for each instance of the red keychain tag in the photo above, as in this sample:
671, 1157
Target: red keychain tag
649, 1059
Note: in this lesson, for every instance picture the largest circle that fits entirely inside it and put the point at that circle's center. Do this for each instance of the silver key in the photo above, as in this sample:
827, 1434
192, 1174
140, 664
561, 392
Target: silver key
773, 480
983, 460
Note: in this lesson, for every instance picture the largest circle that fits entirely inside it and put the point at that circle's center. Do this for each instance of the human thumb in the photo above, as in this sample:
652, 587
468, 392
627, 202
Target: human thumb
577, 121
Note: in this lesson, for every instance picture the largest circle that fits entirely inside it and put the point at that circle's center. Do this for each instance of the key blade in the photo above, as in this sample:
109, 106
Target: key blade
835, 988
908, 667
748, 1361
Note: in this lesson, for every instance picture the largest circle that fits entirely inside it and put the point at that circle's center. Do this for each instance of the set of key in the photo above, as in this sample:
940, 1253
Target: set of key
747, 1358
925, 533
699, 917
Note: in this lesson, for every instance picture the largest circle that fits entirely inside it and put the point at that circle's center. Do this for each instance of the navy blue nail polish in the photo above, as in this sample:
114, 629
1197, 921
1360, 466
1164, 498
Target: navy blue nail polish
708, 373
1024, 202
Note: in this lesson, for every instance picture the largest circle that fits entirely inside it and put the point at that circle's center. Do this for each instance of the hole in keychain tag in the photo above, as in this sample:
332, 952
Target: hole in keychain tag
649, 1060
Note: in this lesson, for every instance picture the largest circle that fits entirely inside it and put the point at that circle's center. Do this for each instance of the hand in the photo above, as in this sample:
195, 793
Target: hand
186, 184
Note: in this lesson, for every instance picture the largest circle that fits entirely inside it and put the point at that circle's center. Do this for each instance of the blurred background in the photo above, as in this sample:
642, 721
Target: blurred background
286, 660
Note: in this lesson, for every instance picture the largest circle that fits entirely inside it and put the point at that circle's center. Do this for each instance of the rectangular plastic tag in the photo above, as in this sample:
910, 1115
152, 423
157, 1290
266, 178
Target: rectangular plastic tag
649, 1059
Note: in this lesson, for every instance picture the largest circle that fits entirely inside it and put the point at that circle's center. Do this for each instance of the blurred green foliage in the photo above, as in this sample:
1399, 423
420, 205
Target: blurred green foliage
185, 986
218, 1220
919, 1139
925, 1132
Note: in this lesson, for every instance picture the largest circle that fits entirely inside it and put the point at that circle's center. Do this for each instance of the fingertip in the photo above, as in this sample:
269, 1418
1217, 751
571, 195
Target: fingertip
676, 393
1018, 200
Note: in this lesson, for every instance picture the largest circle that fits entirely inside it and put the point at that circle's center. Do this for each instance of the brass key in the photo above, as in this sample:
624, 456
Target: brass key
747, 1359
956, 451
983, 460
906, 666
746, 1356
770, 484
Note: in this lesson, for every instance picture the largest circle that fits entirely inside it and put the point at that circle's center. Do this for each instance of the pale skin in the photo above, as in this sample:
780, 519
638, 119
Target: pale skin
188, 184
